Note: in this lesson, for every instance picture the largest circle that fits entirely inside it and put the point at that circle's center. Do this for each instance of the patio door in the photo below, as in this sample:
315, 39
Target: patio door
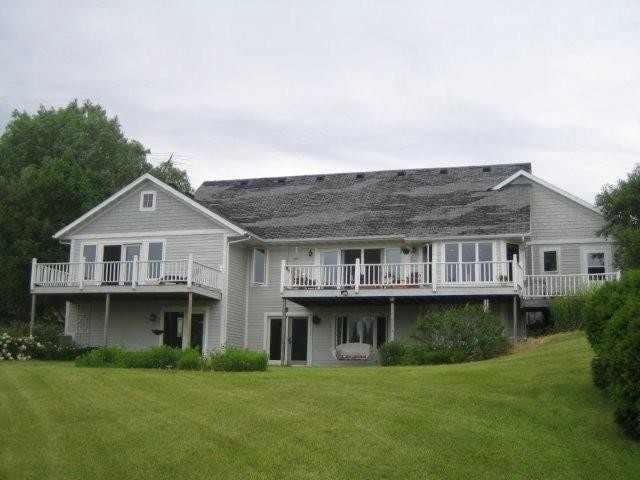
173, 324
130, 251
111, 256
298, 340
329, 270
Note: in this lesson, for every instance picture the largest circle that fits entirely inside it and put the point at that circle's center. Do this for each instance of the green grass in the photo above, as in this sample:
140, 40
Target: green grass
533, 414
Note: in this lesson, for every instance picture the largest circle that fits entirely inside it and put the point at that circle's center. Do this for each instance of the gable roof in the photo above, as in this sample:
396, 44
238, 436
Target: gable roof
538, 180
122, 192
412, 203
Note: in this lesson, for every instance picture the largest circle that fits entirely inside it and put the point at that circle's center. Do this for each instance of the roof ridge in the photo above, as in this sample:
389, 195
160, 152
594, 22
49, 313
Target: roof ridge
524, 165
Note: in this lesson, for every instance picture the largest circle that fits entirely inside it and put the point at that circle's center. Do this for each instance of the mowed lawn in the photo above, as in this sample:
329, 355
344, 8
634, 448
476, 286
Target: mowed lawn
532, 414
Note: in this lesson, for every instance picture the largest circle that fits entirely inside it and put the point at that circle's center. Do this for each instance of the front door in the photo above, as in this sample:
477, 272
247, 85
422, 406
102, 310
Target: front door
298, 340
111, 255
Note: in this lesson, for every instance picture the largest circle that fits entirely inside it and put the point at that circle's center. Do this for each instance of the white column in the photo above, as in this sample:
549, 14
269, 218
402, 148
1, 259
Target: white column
186, 323
515, 319
357, 275
107, 314
134, 273
34, 268
284, 329
392, 319
32, 319
190, 270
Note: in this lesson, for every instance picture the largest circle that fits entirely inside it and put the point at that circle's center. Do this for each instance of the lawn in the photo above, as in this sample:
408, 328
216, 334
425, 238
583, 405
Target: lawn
532, 414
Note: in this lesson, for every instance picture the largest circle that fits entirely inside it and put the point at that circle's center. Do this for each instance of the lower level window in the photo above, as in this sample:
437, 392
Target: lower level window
356, 330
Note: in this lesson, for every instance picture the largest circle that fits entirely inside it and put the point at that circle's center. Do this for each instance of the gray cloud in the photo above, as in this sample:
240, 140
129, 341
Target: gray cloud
275, 88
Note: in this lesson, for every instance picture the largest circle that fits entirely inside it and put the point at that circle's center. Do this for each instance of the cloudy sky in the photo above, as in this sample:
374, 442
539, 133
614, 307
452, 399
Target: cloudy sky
270, 88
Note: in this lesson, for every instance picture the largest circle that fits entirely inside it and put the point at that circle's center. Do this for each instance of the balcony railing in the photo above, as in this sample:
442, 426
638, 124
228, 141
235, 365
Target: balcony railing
130, 273
547, 286
433, 275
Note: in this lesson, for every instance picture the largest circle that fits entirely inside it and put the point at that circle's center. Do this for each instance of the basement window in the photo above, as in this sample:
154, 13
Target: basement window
147, 200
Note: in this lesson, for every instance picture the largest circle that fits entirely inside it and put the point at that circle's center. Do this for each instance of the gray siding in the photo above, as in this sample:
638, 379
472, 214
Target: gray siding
555, 217
237, 295
124, 215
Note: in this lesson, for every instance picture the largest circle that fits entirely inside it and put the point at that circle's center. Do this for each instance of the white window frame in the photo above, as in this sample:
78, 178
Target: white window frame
550, 249
266, 267
154, 195
585, 251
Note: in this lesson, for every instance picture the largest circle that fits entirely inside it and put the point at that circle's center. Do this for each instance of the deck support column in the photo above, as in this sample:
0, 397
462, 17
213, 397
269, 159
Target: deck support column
186, 323
392, 318
515, 318
285, 334
107, 315
32, 318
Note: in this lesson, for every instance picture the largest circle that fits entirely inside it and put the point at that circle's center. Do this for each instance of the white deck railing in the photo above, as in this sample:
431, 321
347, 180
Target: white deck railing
546, 286
398, 275
130, 273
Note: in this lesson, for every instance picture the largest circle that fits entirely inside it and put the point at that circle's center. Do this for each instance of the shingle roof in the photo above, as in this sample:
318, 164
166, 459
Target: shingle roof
408, 203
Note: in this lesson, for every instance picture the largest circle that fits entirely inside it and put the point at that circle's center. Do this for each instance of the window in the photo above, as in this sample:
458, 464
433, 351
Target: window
259, 266
468, 261
595, 263
550, 261
89, 255
154, 269
392, 255
147, 201
354, 330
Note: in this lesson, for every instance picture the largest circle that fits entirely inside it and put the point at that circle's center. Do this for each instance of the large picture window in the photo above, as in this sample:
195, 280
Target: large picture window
595, 263
354, 330
468, 261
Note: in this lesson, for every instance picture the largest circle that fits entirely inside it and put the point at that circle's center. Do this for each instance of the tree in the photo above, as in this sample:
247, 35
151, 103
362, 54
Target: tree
55, 165
620, 205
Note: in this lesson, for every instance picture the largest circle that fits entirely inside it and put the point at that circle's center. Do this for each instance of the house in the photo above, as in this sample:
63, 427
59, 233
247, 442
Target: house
347, 259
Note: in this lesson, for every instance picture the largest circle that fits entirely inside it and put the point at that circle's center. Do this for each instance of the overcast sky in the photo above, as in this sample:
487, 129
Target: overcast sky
269, 88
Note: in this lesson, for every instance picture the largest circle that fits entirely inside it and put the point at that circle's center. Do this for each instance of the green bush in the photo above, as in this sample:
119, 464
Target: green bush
190, 360
234, 359
612, 323
420, 355
102, 357
567, 313
392, 353
462, 333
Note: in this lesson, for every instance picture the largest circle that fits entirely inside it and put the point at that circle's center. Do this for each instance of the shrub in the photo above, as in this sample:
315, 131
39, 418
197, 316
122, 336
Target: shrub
190, 360
234, 359
154, 357
567, 313
463, 333
392, 353
102, 357
17, 348
420, 355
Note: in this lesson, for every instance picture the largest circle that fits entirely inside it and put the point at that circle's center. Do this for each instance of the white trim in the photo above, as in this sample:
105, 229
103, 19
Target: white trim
550, 248
376, 238
553, 188
266, 337
246, 303
154, 201
595, 240
166, 233
253, 267
162, 185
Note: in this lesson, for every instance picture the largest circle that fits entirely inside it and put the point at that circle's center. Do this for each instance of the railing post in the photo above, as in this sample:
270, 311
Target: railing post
190, 270
434, 276
283, 268
134, 273
514, 264
83, 260
34, 269
357, 274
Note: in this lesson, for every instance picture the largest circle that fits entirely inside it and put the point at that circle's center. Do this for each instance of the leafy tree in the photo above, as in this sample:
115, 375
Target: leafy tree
55, 165
620, 206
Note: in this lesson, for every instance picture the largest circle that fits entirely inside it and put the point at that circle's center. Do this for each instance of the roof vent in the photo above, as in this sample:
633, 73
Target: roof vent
401, 173
319, 178
360, 175
486, 169
444, 171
